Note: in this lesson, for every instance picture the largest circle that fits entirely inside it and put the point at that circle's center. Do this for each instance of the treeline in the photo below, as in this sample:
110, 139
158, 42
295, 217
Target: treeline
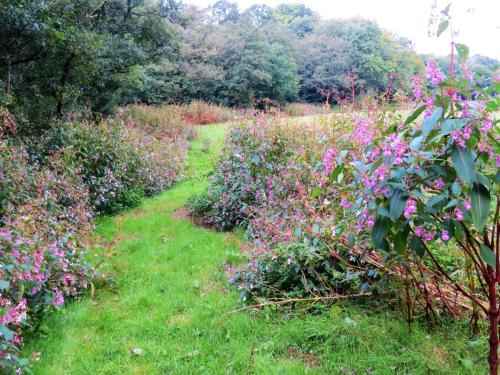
60, 56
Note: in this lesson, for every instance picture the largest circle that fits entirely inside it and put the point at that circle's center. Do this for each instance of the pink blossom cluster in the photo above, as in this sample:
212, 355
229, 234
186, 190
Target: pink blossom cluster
433, 73
364, 131
410, 208
417, 86
329, 160
425, 235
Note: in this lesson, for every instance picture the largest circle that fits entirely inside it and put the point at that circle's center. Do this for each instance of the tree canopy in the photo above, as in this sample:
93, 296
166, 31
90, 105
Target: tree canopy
66, 55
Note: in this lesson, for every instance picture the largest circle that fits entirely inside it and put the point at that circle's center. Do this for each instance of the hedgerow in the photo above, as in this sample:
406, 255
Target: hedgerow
51, 188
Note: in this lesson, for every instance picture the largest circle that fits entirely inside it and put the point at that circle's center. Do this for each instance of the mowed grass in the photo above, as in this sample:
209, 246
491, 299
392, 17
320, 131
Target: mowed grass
169, 296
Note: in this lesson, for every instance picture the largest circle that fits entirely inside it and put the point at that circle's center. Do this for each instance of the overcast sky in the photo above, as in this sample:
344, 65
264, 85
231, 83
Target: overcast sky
478, 21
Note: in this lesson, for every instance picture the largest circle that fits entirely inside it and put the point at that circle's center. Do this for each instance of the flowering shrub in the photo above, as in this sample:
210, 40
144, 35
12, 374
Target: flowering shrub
267, 181
51, 187
372, 199
43, 212
436, 180
117, 161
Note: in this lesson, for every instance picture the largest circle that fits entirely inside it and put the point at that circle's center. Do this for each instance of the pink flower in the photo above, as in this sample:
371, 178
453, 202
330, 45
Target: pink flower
433, 73
411, 208
345, 203
328, 160
419, 231
444, 235
468, 204
459, 215
429, 236
58, 299
440, 183
417, 86
468, 74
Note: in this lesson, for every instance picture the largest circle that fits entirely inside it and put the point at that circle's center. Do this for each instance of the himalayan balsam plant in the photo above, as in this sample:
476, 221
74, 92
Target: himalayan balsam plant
433, 181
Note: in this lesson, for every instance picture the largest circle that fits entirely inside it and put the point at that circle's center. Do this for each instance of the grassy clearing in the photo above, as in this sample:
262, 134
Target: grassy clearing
169, 296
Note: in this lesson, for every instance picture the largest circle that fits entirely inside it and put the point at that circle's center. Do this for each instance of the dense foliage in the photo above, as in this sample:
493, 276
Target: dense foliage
52, 186
368, 200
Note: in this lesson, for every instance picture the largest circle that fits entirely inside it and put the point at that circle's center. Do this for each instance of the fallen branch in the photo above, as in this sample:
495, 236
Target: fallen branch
291, 300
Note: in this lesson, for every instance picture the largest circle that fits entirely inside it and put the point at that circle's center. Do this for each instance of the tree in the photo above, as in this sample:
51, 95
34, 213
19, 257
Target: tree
224, 11
259, 14
65, 55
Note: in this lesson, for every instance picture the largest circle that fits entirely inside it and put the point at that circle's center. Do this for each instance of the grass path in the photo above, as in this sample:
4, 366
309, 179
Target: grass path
169, 295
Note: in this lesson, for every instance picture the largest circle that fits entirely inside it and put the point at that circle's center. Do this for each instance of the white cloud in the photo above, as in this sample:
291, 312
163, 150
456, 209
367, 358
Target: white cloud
477, 21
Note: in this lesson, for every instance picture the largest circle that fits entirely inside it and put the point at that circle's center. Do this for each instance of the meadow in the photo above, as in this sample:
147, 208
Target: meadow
168, 308
188, 190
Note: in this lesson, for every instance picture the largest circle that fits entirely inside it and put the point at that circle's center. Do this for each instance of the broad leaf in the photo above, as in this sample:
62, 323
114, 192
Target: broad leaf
449, 126
481, 201
6, 333
415, 114
488, 256
436, 199
416, 142
400, 241
4, 285
379, 231
317, 191
397, 204
417, 246
431, 121
442, 27
463, 163
463, 52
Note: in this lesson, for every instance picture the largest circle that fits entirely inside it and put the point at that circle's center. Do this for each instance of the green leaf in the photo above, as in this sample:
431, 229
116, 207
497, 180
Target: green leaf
417, 246
442, 27
6, 333
431, 121
463, 51
456, 188
379, 231
415, 114
451, 203
416, 142
336, 172
298, 232
481, 178
449, 126
436, 199
481, 201
317, 191
463, 163
488, 256
4, 285
400, 240
397, 204
351, 239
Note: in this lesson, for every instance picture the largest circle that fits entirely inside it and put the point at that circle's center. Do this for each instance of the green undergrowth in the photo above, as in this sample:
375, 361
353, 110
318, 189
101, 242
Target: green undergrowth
164, 311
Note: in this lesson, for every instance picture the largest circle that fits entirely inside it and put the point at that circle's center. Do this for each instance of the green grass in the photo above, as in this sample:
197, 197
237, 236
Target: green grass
169, 296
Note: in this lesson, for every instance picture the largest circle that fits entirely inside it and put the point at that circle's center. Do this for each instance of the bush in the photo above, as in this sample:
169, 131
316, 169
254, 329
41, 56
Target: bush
118, 162
162, 122
51, 187
43, 213
267, 181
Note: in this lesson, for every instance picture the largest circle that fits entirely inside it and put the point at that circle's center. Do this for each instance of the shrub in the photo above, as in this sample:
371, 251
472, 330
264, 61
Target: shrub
43, 213
435, 180
118, 162
51, 187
